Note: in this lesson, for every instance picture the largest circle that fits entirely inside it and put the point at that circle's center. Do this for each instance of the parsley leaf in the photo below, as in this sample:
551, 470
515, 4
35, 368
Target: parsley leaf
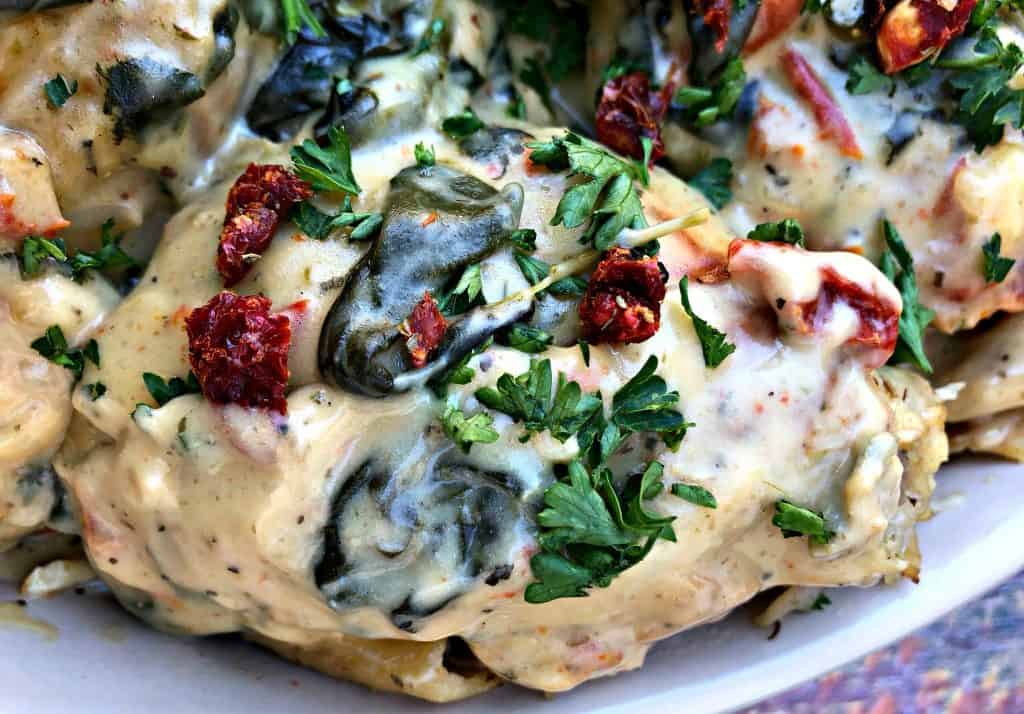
430, 38
821, 602
898, 265
297, 14
458, 373
319, 225
785, 231
585, 352
466, 293
465, 431
54, 347
713, 181
425, 156
609, 200
643, 165
795, 521
525, 239
645, 404
59, 90
712, 341
865, 78
461, 125
109, 256
996, 266
533, 269
706, 105
326, 169
697, 495
164, 391
36, 249
530, 340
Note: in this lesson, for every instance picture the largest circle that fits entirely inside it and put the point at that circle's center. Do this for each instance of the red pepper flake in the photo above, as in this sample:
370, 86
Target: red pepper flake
424, 329
623, 299
827, 114
879, 320
628, 111
914, 30
239, 351
257, 203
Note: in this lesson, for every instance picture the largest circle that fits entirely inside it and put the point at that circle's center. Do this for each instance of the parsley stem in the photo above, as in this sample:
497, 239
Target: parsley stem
634, 237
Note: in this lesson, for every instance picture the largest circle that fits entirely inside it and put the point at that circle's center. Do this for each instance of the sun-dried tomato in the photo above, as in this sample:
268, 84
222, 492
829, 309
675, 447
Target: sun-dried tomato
773, 18
257, 203
629, 110
424, 329
914, 30
623, 299
716, 14
827, 114
239, 351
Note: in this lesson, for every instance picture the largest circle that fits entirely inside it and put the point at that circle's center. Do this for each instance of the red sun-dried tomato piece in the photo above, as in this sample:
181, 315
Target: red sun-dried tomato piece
628, 111
239, 351
773, 18
717, 15
827, 114
424, 329
623, 299
257, 203
914, 30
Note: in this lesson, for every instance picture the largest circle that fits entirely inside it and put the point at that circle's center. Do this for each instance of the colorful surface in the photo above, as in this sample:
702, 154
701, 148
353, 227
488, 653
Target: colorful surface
970, 662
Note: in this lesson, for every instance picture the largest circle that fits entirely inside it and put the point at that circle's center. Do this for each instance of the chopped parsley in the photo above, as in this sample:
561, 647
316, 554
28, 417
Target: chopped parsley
865, 78
460, 372
95, 390
608, 203
533, 269
525, 239
164, 391
461, 125
425, 156
645, 404
298, 14
54, 347
821, 602
110, 256
530, 340
319, 225
561, 29
795, 521
706, 105
697, 495
36, 249
327, 169
466, 431
59, 90
713, 181
643, 165
712, 341
785, 231
467, 293
585, 352
431, 38
898, 265
996, 267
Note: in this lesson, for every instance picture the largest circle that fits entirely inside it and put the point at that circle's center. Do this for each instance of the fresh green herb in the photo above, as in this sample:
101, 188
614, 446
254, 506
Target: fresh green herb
697, 495
327, 169
986, 101
466, 293
297, 14
795, 521
54, 347
525, 239
36, 249
713, 181
164, 391
59, 90
812, 7
319, 225
464, 431
530, 340
516, 108
643, 165
561, 29
703, 106
609, 200
461, 125
534, 270
425, 156
785, 231
110, 256
898, 265
821, 602
534, 77
865, 78
996, 266
96, 390
589, 533
585, 351
621, 65
431, 38
645, 404
571, 285
459, 373
712, 341
528, 399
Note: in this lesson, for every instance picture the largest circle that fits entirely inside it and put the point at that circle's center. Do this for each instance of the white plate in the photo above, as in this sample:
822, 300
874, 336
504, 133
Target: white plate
104, 661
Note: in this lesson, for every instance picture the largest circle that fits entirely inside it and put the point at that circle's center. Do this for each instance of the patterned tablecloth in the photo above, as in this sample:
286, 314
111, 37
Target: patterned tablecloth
971, 662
